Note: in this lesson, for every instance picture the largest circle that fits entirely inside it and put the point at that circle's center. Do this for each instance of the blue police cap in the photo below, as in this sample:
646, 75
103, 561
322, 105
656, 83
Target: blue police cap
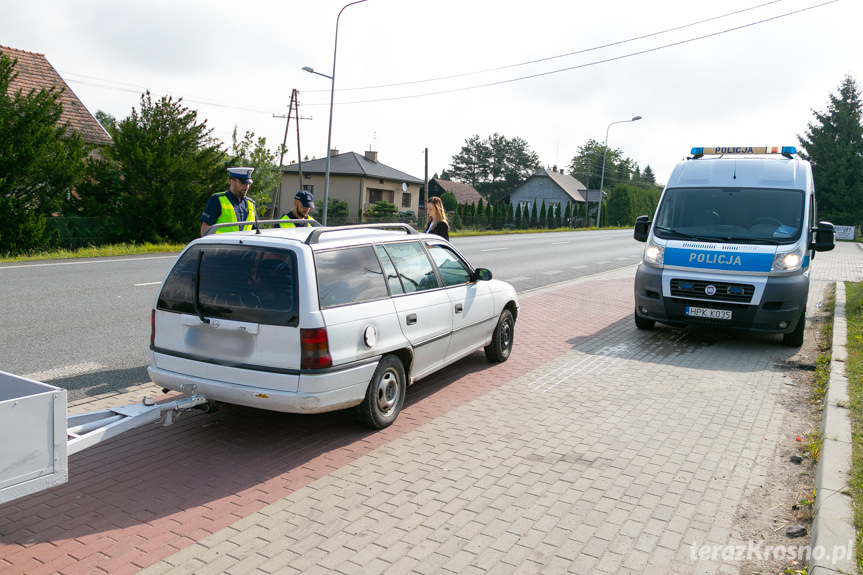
305, 198
242, 174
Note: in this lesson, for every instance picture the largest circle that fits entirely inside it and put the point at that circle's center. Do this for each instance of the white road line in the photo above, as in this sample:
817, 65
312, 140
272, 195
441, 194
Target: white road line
67, 371
147, 284
493, 249
552, 272
559, 243
78, 263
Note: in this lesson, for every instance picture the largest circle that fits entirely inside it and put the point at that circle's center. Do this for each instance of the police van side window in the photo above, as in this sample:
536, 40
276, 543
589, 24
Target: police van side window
255, 285
413, 266
348, 276
453, 270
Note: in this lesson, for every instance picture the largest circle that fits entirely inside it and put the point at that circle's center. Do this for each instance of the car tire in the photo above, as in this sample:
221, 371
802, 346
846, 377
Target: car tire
643, 322
385, 395
795, 338
502, 339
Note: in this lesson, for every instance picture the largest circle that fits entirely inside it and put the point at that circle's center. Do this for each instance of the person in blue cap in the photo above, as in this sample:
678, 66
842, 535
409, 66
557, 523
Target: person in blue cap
232, 205
303, 202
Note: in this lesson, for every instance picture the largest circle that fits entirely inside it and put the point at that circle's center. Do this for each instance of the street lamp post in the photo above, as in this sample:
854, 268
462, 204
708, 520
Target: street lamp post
604, 154
330, 129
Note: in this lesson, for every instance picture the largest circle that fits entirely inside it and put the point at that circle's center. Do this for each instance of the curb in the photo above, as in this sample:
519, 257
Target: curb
833, 533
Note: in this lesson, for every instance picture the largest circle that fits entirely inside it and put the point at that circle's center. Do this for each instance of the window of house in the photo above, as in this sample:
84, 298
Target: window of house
309, 188
376, 195
406, 200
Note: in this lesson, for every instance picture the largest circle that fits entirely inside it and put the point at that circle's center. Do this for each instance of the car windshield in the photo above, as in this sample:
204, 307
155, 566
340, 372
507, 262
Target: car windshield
748, 215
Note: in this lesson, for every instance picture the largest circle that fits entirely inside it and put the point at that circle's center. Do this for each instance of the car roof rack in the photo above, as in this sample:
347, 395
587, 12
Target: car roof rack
314, 237
257, 224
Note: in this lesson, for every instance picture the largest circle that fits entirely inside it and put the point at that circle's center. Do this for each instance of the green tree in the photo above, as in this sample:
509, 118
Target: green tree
450, 203
381, 209
107, 121
834, 145
470, 165
338, 210
494, 166
170, 166
253, 153
41, 160
648, 176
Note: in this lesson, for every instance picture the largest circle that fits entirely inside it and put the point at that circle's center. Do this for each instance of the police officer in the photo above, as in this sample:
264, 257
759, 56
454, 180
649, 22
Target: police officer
231, 205
303, 202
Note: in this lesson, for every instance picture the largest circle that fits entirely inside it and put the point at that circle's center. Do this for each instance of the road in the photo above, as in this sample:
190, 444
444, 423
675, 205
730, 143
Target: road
84, 325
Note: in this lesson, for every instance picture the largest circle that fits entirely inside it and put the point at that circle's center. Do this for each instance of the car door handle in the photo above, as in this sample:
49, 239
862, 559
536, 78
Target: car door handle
412, 319
458, 308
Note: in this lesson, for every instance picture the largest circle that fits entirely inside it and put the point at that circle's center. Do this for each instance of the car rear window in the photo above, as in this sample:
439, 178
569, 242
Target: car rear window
240, 283
348, 276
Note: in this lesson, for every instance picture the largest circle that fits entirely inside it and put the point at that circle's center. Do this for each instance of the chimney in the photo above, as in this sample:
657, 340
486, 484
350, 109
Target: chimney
334, 152
372, 156
554, 168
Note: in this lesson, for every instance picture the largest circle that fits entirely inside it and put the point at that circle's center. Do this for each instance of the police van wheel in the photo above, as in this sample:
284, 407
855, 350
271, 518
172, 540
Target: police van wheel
643, 322
795, 338
501, 339
385, 395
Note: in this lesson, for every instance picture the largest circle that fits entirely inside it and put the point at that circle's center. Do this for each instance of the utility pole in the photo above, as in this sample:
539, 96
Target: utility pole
294, 107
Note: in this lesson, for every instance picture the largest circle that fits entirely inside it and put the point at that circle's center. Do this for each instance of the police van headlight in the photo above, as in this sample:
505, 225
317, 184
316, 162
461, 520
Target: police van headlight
654, 253
788, 261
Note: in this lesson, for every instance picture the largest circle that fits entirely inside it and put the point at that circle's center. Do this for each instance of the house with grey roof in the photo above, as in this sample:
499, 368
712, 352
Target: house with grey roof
360, 180
34, 72
554, 189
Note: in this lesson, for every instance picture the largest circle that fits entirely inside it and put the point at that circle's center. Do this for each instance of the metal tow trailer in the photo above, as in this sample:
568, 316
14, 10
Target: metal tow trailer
38, 436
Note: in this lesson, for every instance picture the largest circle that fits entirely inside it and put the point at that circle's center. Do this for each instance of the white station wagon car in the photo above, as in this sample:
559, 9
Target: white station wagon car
316, 319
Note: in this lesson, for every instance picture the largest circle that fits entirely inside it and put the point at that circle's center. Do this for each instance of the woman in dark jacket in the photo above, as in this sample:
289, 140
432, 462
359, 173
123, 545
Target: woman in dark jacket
437, 223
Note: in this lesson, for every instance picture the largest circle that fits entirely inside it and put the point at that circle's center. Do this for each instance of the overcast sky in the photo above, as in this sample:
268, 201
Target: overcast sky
417, 74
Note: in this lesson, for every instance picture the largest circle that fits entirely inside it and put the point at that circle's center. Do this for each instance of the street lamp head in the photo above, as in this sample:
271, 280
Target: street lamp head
633, 119
307, 69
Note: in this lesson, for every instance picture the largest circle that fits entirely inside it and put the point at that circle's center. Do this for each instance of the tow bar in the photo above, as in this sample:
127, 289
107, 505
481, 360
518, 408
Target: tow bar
34, 414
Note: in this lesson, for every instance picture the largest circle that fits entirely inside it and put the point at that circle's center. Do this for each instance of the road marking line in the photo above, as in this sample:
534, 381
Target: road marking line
147, 284
78, 263
493, 249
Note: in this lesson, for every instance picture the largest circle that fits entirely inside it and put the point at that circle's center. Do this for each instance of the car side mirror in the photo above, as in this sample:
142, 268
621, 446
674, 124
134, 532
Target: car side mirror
642, 228
482, 274
824, 237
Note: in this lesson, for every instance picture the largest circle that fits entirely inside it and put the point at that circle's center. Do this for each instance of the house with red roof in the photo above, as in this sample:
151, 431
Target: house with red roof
34, 72
464, 193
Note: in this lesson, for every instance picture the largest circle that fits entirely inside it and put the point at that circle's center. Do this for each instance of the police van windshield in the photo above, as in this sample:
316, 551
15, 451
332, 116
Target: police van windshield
747, 215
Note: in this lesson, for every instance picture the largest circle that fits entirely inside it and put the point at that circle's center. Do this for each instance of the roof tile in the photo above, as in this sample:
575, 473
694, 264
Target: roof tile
35, 73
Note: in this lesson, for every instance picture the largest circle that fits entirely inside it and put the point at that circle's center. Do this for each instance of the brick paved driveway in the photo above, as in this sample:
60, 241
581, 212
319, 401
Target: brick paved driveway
596, 448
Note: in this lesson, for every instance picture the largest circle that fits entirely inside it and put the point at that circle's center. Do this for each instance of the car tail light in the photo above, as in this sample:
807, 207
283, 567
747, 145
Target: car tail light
314, 349
153, 328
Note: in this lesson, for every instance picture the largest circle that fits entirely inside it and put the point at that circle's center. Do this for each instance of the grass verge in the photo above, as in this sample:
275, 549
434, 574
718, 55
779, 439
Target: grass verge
854, 373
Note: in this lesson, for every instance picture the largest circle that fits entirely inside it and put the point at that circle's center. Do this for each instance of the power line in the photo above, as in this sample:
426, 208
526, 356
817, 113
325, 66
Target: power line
214, 103
577, 52
595, 63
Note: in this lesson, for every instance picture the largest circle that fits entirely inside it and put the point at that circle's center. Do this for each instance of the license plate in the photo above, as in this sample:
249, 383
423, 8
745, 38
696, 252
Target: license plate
708, 313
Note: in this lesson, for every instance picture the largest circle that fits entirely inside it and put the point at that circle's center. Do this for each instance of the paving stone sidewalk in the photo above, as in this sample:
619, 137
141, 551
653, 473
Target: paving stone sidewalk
597, 448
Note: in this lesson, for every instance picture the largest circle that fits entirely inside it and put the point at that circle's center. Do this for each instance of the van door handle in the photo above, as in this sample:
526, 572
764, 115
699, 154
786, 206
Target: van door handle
458, 308
412, 319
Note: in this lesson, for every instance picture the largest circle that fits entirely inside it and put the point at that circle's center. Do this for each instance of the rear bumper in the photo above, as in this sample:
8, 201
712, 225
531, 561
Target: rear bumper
317, 393
780, 305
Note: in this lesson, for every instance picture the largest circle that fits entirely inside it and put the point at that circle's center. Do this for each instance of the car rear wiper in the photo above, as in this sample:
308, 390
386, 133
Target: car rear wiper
196, 301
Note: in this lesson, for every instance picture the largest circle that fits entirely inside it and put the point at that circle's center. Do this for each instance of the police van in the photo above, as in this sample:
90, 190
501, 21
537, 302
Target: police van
731, 242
